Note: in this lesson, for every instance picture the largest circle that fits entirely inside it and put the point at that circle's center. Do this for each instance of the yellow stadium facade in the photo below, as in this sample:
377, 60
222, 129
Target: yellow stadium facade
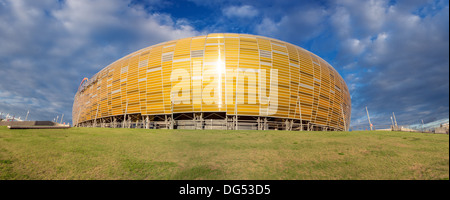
218, 81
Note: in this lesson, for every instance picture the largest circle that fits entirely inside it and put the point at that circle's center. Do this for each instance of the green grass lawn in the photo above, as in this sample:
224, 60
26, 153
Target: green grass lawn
96, 153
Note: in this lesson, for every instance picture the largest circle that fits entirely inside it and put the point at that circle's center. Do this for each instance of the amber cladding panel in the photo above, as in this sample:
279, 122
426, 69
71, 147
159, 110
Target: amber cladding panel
236, 74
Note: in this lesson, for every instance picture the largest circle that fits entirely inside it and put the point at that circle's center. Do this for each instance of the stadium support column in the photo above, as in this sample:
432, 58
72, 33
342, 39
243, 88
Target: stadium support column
198, 121
266, 126
237, 123
194, 122
96, 114
201, 121
78, 118
125, 115
169, 122
226, 121
166, 124
259, 124
172, 122
343, 118
301, 125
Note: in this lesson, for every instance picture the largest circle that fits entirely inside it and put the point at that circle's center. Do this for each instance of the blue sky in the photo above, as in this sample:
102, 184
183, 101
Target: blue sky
394, 55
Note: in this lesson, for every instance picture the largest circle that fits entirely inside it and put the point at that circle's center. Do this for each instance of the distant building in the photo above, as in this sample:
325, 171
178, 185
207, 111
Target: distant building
442, 129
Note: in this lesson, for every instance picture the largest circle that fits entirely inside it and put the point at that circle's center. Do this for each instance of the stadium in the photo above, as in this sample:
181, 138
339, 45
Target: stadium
218, 81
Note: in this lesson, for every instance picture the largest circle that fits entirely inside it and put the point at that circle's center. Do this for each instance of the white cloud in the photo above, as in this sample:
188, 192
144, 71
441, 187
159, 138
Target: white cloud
267, 27
47, 47
83, 18
399, 55
340, 19
245, 11
300, 25
355, 46
369, 16
352, 65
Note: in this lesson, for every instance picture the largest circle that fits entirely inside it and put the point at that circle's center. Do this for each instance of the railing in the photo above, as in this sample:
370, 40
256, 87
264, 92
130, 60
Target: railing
405, 128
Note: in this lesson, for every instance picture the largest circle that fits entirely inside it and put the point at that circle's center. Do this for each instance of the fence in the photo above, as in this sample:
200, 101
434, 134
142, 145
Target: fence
405, 128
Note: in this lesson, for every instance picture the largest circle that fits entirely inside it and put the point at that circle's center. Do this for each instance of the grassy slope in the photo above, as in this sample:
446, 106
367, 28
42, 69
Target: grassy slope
95, 153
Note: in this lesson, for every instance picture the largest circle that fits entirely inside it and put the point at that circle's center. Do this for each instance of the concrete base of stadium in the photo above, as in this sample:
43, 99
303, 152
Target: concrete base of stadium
204, 120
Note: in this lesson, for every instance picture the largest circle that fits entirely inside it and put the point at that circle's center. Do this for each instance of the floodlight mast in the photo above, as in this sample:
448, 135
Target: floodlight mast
27, 115
394, 119
422, 126
368, 117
